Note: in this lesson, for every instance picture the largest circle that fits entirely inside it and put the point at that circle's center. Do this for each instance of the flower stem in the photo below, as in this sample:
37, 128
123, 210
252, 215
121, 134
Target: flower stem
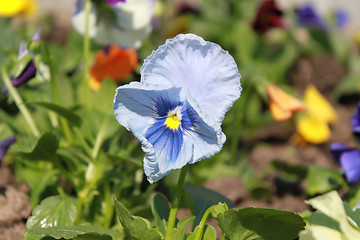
19, 102
202, 223
64, 123
86, 50
175, 204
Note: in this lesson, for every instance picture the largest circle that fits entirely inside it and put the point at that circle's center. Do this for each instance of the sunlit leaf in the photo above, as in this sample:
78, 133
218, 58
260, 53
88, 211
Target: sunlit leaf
260, 224
135, 227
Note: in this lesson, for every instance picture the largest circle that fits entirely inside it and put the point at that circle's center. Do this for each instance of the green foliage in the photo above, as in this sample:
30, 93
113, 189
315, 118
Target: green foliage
179, 232
69, 115
260, 224
321, 180
204, 198
209, 233
55, 211
41, 148
135, 227
160, 209
86, 232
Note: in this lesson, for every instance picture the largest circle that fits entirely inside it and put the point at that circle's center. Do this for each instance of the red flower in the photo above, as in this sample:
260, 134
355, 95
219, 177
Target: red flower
112, 62
267, 17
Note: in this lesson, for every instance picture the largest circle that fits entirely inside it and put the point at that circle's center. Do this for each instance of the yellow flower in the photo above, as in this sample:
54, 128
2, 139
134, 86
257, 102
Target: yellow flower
313, 124
9, 8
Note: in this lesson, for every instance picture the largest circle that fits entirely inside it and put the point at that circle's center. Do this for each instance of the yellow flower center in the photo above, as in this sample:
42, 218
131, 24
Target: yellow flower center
173, 120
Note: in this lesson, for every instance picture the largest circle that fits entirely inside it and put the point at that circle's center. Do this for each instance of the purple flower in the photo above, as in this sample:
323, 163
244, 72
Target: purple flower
349, 159
308, 17
29, 72
113, 2
4, 146
356, 122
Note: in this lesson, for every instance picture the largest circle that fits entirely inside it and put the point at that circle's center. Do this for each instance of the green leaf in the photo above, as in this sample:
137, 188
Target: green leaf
321, 180
42, 148
53, 211
298, 170
204, 198
135, 227
78, 232
260, 224
208, 234
38, 180
105, 96
354, 215
321, 219
69, 115
160, 209
348, 85
217, 209
180, 231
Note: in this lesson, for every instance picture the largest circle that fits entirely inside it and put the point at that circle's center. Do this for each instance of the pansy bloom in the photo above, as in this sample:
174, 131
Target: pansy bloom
126, 25
4, 146
309, 18
187, 85
313, 124
112, 62
283, 105
356, 122
29, 71
349, 159
268, 16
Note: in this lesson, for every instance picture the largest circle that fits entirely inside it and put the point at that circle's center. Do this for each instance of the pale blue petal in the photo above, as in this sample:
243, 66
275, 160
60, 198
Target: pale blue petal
136, 100
207, 136
209, 72
142, 109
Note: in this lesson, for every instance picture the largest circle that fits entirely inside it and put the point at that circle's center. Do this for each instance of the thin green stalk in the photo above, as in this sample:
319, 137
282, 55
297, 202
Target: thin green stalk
86, 50
109, 206
19, 103
202, 223
175, 204
64, 123
83, 142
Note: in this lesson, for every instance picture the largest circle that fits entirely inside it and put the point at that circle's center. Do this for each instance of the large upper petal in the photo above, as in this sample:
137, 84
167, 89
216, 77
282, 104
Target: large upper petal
209, 72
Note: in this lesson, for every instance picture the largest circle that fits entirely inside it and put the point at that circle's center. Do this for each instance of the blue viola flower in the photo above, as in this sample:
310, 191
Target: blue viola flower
349, 159
4, 146
341, 18
356, 122
176, 111
308, 17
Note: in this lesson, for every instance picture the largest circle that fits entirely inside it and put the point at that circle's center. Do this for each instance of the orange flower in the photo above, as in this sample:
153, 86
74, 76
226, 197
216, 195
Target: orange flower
283, 105
114, 63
